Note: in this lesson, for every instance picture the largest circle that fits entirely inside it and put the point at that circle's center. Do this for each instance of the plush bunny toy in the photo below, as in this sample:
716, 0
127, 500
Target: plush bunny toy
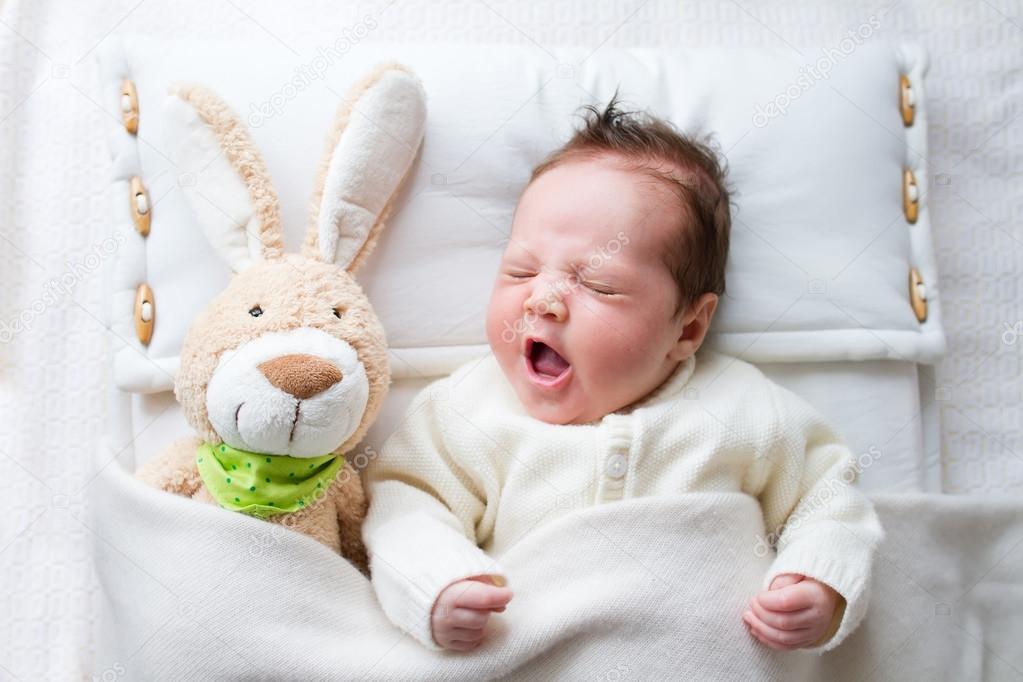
285, 370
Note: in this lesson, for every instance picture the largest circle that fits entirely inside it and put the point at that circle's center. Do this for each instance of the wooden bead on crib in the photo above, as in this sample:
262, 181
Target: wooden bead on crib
918, 295
145, 313
140, 207
910, 196
907, 100
129, 107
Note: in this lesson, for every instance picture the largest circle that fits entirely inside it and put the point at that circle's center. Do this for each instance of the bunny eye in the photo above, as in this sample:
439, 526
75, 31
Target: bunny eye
255, 311
338, 312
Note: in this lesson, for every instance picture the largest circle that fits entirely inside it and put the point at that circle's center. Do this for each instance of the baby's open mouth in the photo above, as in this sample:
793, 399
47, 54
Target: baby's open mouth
545, 362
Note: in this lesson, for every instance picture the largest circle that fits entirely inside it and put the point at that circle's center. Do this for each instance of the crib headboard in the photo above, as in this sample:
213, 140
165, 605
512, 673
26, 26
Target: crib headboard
832, 285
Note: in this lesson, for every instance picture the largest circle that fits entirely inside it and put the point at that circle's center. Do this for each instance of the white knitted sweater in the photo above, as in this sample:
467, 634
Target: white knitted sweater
468, 473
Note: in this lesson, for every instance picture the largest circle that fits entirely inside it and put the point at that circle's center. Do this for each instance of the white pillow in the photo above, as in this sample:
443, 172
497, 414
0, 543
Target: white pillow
821, 251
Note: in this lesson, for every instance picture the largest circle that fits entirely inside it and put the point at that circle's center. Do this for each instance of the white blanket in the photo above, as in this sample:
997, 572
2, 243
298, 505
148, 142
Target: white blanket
645, 589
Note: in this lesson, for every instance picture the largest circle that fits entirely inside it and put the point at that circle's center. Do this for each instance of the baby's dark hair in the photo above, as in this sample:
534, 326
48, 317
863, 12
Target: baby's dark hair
694, 172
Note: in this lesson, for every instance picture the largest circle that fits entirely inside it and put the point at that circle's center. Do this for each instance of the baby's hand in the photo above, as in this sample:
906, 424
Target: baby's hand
463, 609
795, 612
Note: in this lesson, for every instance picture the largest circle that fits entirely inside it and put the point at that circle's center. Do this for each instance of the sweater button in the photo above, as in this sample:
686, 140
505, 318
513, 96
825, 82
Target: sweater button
616, 466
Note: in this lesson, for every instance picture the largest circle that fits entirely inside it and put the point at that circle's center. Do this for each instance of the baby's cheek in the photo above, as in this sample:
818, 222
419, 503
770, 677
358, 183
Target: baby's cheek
501, 326
614, 360
628, 346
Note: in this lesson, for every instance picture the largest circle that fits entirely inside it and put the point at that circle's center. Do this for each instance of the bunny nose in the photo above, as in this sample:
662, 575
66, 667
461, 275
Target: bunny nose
301, 375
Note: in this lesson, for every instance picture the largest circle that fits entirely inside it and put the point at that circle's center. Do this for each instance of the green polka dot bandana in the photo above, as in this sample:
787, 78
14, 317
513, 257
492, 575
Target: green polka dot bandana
263, 485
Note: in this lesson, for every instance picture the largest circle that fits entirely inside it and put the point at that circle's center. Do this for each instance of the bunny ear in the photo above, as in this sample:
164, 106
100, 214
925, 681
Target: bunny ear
376, 136
223, 177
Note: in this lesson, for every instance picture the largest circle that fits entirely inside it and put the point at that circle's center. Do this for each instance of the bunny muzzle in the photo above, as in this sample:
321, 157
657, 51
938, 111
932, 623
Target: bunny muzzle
300, 392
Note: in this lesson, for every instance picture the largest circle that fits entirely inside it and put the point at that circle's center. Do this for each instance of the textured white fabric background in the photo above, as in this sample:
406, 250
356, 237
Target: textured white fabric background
53, 169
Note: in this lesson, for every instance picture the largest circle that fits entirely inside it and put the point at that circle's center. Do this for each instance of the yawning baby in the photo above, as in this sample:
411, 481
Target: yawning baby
595, 392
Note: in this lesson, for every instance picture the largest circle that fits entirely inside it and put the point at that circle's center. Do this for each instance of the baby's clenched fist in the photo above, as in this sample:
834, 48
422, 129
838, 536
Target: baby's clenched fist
794, 612
462, 610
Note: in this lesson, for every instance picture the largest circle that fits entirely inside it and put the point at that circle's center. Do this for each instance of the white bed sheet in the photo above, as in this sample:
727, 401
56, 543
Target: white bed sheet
53, 168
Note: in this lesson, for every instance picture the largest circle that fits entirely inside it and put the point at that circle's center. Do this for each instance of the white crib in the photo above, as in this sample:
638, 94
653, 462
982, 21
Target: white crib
829, 312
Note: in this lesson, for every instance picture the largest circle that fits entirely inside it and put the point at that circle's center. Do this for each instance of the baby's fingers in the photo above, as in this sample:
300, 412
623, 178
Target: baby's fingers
459, 645
792, 598
466, 635
784, 620
471, 619
782, 640
478, 595
786, 579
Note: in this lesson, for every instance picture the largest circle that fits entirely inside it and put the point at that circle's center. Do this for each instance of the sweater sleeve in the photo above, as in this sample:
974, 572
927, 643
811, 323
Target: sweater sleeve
821, 525
425, 503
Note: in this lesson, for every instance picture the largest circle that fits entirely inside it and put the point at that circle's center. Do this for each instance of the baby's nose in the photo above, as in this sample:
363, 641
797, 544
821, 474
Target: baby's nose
546, 303
301, 375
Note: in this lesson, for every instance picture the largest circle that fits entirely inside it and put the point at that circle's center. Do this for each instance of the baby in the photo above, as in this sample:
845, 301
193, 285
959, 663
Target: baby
594, 392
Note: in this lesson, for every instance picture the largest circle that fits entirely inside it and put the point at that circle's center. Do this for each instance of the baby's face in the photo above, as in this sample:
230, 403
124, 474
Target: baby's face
581, 318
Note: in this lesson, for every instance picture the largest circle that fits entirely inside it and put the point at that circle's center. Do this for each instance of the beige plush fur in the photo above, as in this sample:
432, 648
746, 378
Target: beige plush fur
311, 245
295, 291
336, 520
239, 149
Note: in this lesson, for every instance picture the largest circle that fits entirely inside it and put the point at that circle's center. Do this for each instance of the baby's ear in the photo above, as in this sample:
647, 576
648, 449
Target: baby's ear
694, 323
223, 176
377, 134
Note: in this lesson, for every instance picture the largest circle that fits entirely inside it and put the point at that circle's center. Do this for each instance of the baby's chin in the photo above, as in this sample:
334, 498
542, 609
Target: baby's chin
562, 411
547, 413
